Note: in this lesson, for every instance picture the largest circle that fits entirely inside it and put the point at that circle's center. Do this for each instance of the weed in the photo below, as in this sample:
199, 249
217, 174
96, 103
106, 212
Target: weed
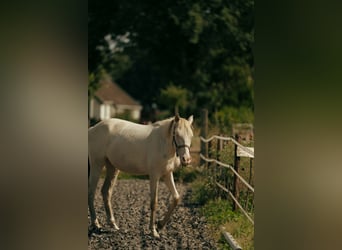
203, 190
218, 211
186, 174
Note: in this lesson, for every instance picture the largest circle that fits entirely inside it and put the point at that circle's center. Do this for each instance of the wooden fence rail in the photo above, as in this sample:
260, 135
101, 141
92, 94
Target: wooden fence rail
239, 151
229, 167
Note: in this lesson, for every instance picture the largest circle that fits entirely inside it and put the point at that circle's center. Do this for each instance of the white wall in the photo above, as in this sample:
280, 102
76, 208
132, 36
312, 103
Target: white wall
135, 114
94, 109
107, 110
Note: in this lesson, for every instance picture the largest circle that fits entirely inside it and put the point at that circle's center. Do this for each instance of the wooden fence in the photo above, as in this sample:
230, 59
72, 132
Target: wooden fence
222, 157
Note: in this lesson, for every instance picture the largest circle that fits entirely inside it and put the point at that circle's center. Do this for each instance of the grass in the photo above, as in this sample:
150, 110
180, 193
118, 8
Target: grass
218, 211
185, 174
242, 231
182, 175
126, 176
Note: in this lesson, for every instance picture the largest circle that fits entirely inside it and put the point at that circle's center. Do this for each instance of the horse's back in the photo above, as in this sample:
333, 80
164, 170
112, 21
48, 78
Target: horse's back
97, 141
122, 142
128, 141
118, 128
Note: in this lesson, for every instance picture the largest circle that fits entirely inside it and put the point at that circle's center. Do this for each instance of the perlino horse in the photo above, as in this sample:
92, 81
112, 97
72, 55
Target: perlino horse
153, 150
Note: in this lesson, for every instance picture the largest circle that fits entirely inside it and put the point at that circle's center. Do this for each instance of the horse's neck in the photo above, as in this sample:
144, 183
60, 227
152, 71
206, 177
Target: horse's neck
166, 134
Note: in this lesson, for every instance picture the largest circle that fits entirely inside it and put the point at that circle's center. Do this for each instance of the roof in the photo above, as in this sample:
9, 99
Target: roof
111, 92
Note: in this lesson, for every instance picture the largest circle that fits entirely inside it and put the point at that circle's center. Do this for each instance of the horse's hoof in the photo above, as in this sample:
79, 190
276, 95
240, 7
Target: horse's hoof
95, 229
160, 225
155, 234
113, 225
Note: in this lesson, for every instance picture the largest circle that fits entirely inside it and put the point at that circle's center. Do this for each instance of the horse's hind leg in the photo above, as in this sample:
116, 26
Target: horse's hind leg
92, 183
154, 203
107, 191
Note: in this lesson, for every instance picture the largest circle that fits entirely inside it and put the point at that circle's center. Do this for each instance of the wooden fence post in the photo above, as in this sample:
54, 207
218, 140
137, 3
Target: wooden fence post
204, 134
250, 171
236, 167
249, 182
209, 155
218, 173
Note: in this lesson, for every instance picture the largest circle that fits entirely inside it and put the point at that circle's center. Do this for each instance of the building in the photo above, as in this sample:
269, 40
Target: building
111, 101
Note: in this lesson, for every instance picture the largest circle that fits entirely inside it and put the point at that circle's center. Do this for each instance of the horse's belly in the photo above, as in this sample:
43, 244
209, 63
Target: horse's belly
128, 162
131, 168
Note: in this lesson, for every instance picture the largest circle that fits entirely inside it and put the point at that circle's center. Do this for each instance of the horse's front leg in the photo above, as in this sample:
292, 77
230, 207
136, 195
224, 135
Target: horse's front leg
169, 182
154, 204
92, 183
107, 191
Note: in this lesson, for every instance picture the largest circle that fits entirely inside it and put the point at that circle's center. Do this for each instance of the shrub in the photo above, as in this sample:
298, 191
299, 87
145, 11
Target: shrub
227, 116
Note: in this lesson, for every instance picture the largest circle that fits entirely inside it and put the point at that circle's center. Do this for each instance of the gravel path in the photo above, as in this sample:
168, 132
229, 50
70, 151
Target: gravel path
131, 204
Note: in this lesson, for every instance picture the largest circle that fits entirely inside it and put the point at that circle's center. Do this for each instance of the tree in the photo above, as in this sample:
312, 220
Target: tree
174, 98
204, 47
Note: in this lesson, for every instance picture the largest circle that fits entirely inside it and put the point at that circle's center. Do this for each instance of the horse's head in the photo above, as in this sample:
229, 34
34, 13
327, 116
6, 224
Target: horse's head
182, 135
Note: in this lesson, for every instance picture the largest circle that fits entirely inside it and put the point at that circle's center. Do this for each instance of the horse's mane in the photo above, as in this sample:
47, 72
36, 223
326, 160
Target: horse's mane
162, 122
169, 121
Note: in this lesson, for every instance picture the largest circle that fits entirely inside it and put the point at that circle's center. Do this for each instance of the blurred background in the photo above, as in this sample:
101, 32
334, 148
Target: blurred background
171, 56
148, 60
44, 85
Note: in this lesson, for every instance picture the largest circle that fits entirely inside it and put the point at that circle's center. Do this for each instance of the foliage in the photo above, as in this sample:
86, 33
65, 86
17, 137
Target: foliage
218, 212
92, 84
215, 204
126, 115
174, 98
242, 231
94, 78
227, 116
186, 174
202, 47
203, 190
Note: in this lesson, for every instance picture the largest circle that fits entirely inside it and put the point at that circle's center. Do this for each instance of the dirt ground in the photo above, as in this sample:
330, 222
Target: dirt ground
131, 204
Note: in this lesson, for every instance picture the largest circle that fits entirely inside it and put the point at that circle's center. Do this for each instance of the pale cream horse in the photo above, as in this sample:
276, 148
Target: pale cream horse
153, 150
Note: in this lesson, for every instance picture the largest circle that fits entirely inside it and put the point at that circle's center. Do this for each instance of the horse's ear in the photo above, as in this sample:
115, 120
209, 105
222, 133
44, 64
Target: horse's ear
191, 119
176, 117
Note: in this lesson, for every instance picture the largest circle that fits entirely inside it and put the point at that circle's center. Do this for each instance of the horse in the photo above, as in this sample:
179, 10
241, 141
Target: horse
154, 150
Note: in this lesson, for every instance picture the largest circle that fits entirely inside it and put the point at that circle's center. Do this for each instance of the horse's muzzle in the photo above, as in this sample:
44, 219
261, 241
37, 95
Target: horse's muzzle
185, 161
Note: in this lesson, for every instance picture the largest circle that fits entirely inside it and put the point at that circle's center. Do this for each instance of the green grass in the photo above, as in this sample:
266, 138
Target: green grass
203, 190
218, 211
242, 231
186, 174
125, 176
182, 174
